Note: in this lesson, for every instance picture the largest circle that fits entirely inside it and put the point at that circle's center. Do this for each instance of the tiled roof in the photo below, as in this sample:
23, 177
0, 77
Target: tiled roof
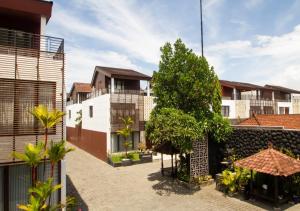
282, 89
270, 161
81, 87
113, 72
287, 121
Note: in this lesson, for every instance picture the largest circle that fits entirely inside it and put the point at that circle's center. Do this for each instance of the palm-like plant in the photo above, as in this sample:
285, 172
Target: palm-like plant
39, 195
126, 132
32, 156
57, 152
47, 118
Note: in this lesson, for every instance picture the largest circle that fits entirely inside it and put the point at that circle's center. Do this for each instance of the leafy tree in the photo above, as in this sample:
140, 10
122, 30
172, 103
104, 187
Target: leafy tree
32, 156
185, 81
176, 127
126, 132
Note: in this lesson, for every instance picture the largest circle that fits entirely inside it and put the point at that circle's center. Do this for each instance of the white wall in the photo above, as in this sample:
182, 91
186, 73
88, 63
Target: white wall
231, 104
101, 114
285, 104
70, 122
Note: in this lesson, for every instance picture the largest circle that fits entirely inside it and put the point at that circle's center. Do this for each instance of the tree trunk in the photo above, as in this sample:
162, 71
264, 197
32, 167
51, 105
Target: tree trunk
45, 148
52, 169
33, 176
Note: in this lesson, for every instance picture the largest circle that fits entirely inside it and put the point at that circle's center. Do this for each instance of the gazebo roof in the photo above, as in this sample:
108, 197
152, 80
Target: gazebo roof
270, 161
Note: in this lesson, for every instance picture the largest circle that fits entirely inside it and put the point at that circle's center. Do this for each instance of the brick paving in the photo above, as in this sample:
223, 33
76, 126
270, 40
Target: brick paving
99, 186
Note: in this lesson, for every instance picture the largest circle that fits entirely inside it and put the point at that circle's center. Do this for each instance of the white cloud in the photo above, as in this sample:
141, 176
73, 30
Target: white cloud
250, 4
266, 59
81, 63
119, 24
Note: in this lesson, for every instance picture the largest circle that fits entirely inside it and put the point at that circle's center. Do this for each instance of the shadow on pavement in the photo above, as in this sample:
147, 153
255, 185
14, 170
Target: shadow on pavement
72, 191
166, 185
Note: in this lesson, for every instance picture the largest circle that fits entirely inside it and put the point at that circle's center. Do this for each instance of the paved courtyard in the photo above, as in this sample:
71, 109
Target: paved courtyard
99, 186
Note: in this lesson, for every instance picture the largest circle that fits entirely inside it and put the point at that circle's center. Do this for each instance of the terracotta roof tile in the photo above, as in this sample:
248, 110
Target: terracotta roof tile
270, 161
82, 87
288, 121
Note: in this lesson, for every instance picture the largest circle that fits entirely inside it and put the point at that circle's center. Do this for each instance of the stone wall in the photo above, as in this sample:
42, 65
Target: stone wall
247, 141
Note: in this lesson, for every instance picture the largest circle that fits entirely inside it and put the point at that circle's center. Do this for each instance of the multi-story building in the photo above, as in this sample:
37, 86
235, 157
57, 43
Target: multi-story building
241, 100
31, 73
79, 92
116, 93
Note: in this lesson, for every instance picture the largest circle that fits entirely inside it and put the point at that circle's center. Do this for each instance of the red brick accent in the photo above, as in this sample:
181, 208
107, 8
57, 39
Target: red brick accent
93, 142
288, 121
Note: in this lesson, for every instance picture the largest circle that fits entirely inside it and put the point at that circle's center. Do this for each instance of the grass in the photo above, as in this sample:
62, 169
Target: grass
117, 157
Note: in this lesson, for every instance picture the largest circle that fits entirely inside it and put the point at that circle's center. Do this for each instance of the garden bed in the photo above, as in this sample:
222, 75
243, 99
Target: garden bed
118, 159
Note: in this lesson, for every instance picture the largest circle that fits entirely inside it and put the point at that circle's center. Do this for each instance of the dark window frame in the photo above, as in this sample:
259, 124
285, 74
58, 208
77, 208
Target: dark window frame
225, 110
91, 111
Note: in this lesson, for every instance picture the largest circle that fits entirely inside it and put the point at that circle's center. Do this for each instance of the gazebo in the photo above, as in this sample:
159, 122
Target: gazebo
271, 162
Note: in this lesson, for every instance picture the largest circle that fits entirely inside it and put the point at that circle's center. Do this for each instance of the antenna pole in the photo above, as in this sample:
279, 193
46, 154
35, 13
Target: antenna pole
201, 27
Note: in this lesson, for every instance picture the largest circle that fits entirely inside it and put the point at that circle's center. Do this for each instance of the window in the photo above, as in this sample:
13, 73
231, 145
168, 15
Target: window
91, 111
225, 111
18, 97
70, 114
284, 110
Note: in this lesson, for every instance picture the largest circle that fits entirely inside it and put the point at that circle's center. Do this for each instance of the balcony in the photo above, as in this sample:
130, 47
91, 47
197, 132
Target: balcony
28, 42
252, 97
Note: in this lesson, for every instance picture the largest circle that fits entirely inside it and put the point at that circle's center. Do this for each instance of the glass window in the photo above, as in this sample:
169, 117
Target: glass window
225, 111
91, 111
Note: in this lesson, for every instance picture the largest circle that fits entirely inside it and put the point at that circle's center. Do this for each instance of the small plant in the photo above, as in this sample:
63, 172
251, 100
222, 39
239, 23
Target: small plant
48, 119
142, 147
126, 132
39, 195
78, 119
57, 152
235, 180
32, 156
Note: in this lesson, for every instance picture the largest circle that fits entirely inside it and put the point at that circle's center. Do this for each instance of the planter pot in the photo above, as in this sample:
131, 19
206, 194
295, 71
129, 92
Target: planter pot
136, 161
296, 199
146, 158
126, 162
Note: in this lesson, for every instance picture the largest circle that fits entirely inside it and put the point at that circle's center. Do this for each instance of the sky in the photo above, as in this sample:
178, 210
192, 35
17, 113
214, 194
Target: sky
255, 41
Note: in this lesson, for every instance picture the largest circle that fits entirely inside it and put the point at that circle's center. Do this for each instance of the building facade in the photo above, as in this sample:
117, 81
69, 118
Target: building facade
116, 94
31, 73
241, 100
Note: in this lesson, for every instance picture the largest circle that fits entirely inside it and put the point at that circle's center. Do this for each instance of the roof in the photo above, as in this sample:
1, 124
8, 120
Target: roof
81, 87
35, 7
287, 121
113, 72
241, 85
282, 89
270, 161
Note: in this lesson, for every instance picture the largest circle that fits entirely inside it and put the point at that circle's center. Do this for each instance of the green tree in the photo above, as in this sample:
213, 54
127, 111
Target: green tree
185, 81
176, 127
126, 132
32, 156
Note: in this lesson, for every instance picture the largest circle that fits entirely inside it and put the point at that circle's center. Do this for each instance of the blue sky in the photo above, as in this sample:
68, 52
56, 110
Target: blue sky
256, 41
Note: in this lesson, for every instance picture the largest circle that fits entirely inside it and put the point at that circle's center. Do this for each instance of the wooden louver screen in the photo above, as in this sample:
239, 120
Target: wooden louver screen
18, 97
